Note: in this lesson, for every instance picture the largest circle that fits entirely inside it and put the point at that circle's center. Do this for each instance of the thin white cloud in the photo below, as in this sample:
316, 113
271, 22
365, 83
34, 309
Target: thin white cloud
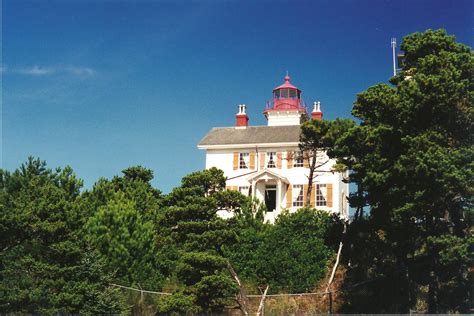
80, 71
45, 71
35, 71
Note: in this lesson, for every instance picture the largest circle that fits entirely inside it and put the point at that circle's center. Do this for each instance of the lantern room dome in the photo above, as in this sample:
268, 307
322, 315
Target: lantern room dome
286, 85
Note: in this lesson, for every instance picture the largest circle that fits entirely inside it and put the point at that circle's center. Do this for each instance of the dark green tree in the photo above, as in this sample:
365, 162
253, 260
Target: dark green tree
136, 187
209, 180
189, 224
127, 241
411, 158
290, 255
45, 265
121, 223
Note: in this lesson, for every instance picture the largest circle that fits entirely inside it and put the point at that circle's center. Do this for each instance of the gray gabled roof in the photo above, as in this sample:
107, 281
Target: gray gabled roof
220, 136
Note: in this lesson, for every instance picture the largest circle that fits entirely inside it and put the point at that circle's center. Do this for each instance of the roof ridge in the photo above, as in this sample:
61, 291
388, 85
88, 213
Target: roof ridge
240, 128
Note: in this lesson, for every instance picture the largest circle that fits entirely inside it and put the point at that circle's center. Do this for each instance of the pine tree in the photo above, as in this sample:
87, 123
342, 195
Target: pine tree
190, 223
127, 241
121, 224
45, 265
412, 160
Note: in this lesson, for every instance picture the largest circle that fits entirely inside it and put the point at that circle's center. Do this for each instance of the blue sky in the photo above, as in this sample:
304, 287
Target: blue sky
103, 85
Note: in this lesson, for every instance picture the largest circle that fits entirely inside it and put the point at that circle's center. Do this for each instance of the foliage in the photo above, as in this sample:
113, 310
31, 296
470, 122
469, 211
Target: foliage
177, 304
295, 251
121, 215
122, 236
190, 225
250, 214
318, 137
80, 243
45, 266
323, 134
411, 158
210, 180
136, 187
291, 255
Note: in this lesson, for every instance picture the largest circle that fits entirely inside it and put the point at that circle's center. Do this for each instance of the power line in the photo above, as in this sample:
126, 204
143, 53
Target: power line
251, 295
139, 290
290, 294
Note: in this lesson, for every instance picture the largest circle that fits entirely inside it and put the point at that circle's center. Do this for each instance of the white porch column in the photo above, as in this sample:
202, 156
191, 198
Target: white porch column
254, 189
278, 196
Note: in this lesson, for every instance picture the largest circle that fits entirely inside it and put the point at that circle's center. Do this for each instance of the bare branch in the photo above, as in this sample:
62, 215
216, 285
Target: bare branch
242, 299
262, 301
336, 264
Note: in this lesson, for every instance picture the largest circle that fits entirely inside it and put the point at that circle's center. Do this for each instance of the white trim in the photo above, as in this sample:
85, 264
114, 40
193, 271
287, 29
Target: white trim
260, 145
274, 175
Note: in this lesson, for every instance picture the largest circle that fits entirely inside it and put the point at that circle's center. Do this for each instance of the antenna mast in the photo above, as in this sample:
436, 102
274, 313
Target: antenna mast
394, 45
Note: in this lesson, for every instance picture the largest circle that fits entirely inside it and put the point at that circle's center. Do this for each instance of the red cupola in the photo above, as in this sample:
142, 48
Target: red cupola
286, 107
286, 97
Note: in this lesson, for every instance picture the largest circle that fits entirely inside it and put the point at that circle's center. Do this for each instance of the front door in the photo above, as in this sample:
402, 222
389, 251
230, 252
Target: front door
270, 197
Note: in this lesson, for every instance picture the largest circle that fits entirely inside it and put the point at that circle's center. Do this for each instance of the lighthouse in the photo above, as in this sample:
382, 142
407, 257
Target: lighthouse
265, 162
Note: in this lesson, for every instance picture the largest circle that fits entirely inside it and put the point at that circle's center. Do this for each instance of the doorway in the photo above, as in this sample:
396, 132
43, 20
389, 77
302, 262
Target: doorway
270, 197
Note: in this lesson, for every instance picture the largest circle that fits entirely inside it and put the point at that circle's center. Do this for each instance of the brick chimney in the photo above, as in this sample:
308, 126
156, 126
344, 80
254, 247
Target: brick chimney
241, 119
317, 115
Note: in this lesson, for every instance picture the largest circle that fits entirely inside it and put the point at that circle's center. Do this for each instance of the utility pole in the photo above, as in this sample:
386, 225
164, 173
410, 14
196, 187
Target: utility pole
394, 45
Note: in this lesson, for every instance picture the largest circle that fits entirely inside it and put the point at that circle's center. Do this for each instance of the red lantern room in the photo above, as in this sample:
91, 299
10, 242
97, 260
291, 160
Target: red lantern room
286, 107
286, 97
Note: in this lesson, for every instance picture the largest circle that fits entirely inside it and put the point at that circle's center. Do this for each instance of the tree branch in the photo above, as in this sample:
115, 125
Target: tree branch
262, 301
242, 299
336, 264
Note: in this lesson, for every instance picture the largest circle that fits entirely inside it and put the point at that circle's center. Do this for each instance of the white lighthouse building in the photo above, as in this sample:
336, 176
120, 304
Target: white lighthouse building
266, 163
